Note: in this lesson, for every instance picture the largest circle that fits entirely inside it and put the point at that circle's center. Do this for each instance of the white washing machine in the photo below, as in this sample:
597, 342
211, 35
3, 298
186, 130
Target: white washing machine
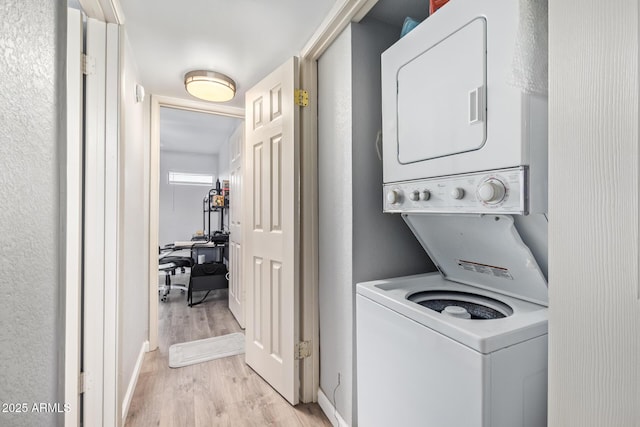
465, 163
466, 346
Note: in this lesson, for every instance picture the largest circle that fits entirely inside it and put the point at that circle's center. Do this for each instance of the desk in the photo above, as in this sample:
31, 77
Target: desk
188, 244
213, 251
209, 276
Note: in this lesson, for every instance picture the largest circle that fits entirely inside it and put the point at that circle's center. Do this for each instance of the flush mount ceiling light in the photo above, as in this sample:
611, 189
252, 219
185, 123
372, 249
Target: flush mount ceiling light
210, 86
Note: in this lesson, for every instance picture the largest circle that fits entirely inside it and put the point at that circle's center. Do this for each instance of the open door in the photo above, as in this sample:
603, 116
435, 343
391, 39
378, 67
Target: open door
271, 229
236, 285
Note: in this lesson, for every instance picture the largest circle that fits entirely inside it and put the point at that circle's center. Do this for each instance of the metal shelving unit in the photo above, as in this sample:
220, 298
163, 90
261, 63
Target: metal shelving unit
208, 206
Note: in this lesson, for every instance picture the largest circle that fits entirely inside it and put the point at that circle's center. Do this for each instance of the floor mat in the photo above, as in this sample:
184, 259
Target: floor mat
189, 353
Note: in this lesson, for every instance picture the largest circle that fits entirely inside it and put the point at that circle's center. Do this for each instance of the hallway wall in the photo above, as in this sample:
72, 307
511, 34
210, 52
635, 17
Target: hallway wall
133, 298
32, 132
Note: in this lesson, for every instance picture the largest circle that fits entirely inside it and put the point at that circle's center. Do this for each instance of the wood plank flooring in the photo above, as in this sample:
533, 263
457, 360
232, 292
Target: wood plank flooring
222, 392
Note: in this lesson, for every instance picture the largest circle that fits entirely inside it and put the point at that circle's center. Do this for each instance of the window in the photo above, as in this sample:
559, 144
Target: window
190, 178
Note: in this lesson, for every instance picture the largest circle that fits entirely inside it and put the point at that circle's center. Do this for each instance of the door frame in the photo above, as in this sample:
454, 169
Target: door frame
108, 11
71, 213
339, 17
158, 101
100, 380
101, 224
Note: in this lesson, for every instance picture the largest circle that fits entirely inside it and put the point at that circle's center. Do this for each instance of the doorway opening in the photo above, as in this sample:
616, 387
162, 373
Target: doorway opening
191, 135
194, 202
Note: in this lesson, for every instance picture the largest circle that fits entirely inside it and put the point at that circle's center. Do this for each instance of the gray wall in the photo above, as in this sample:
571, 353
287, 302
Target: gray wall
335, 219
32, 117
385, 245
134, 281
181, 205
357, 241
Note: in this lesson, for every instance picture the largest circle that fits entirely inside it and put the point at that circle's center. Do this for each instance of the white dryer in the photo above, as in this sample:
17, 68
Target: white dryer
458, 135
463, 347
465, 163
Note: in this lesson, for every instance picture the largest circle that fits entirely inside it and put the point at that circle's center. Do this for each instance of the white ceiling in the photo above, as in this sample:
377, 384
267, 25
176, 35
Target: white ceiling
245, 39
193, 132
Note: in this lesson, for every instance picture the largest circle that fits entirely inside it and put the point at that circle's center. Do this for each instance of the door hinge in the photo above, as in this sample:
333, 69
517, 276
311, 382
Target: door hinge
303, 349
88, 65
82, 382
301, 97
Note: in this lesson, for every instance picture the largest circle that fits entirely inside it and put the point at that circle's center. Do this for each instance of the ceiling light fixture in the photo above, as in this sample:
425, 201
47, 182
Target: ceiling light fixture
210, 86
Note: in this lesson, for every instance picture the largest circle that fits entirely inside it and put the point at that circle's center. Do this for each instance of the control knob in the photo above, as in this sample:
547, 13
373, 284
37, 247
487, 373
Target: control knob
491, 191
394, 197
414, 196
425, 195
457, 193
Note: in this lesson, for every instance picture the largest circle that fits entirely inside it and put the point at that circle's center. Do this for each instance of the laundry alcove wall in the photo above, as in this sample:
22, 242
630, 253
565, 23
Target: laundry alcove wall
357, 242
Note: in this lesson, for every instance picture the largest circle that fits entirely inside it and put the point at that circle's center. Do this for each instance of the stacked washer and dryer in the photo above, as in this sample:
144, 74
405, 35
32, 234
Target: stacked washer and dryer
465, 164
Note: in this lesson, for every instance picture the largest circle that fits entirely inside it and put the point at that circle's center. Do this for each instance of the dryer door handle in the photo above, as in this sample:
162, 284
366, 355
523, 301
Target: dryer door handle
476, 104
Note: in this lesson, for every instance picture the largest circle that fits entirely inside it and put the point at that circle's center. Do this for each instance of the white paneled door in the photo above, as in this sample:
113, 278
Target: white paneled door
271, 229
236, 285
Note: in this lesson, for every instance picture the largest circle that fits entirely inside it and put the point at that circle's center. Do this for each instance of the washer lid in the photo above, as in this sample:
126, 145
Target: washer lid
483, 251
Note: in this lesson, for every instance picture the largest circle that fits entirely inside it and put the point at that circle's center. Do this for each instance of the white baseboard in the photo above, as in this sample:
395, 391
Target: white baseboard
133, 381
330, 411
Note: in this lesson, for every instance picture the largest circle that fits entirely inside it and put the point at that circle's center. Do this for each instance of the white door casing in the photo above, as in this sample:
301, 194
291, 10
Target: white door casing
271, 229
112, 228
100, 343
94, 219
101, 353
236, 285
73, 218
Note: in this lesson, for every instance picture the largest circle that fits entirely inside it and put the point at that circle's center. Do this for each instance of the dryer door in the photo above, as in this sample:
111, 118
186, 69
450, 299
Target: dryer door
441, 101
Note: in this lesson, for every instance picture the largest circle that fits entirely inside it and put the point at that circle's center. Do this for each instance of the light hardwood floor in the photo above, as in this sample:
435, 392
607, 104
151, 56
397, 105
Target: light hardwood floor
223, 392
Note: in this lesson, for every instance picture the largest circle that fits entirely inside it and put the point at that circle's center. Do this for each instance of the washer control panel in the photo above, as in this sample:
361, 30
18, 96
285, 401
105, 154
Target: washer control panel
500, 191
